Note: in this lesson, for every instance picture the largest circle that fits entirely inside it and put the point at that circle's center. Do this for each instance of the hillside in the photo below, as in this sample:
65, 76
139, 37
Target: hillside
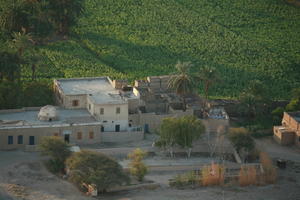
132, 39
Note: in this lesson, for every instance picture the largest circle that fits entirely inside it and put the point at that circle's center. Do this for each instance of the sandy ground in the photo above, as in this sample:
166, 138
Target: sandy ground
23, 176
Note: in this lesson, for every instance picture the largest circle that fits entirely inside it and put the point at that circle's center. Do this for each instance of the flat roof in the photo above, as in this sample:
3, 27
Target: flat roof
30, 118
99, 89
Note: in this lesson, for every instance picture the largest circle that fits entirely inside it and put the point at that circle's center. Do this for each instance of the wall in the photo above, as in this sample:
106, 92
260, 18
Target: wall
111, 117
283, 138
119, 137
40, 132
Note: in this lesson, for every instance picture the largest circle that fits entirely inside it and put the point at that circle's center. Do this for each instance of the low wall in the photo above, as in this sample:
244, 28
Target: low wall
119, 137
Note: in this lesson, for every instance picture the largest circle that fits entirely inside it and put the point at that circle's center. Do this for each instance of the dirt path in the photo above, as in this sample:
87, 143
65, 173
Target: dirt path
23, 176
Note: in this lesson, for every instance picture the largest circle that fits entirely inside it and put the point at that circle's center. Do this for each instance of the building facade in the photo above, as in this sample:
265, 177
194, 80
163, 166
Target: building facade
289, 132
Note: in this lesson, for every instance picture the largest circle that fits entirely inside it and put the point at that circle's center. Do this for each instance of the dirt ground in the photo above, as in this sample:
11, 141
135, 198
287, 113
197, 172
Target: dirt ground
24, 177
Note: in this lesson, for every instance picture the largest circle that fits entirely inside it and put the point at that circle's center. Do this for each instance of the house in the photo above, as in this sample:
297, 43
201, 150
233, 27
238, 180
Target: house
98, 109
289, 132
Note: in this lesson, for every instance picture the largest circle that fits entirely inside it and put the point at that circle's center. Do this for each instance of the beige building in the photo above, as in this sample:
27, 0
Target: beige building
289, 132
94, 110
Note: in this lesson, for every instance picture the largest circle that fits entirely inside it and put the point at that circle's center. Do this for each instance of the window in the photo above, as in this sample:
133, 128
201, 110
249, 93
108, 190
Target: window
117, 128
20, 139
91, 135
118, 110
79, 136
89, 106
101, 111
10, 140
75, 103
55, 134
102, 128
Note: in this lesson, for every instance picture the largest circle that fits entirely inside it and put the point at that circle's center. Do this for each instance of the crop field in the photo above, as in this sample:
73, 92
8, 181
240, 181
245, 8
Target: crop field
132, 39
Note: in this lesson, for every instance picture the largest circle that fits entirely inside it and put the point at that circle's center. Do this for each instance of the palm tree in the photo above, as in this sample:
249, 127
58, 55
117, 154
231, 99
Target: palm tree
209, 76
182, 81
22, 41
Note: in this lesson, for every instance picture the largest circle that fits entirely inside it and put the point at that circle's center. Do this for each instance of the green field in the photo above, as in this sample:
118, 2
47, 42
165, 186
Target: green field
243, 39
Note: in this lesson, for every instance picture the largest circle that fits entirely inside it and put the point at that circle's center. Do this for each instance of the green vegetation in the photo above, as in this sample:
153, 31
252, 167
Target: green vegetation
241, 140
243, 40
57, 150
180, 131
137, 167
93, 168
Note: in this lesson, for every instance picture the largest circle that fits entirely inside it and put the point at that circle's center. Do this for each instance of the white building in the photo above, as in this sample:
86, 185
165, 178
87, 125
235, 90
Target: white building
103, 98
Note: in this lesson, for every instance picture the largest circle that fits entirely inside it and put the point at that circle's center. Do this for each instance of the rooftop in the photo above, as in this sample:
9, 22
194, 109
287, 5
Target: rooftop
99, 89
30, 118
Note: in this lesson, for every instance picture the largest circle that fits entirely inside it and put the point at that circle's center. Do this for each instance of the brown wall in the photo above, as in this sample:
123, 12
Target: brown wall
39, 133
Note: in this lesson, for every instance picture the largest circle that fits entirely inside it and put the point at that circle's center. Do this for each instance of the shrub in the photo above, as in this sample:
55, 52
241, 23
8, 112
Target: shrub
137, 167
57, 150
212, 175
270, 172
89, 168
247, 176
241, 139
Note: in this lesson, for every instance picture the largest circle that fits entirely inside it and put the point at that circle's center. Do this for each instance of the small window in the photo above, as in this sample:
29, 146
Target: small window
101, 111
20, 139
102, 128
55, 134
104, 121
129, 125
91, 135
89, 106
118, 110
10, 140
75, 103
79, 136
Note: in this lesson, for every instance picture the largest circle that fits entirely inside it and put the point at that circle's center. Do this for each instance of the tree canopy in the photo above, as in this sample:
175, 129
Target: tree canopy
241, 139
95, 168
180, 131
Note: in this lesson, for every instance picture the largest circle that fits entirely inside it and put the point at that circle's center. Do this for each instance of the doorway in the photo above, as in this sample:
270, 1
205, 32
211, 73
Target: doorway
117, 128
67, 138
31, 140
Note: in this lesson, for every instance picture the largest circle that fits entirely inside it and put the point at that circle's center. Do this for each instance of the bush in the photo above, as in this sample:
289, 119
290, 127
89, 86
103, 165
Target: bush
57, 150
89, 168
212, 175
137, 167
241, 139
247, 176
270, 172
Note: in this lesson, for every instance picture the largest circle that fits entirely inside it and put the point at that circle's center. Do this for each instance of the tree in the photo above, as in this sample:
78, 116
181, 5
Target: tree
22, 41
65, 13
180, 131
57, 150
209, 76
137, 167
10, 95
183, 82
10, 65
241, 140
87, 167
254, 99
37, 94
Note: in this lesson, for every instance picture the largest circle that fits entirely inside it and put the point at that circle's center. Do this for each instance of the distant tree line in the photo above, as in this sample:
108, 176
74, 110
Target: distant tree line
25, 24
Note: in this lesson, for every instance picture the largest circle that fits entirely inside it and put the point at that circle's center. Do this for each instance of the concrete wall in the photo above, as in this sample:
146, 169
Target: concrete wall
153, 120
119, 137
110, 118
40, 132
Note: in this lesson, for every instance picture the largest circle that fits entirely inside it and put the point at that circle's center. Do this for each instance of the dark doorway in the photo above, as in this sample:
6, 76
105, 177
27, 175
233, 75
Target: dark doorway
146, 128
117, 128
31, 140
67, 138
